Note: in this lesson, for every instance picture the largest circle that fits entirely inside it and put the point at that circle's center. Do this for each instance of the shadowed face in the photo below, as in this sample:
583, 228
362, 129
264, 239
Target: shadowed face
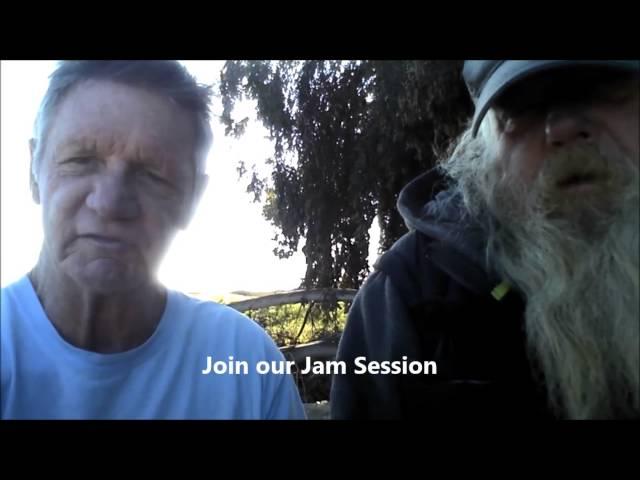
570, 135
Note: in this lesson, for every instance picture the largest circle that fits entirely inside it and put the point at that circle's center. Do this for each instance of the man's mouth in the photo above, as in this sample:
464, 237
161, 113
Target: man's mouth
106, 241
580, 181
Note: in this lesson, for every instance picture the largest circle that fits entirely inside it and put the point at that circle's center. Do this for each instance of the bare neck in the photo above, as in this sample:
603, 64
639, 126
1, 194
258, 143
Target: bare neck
98, 322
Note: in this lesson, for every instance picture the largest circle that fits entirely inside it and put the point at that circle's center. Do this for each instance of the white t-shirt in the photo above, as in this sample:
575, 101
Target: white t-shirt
45, 377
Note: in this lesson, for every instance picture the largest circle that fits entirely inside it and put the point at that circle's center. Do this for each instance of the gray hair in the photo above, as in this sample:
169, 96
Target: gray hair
165, 77
577, 268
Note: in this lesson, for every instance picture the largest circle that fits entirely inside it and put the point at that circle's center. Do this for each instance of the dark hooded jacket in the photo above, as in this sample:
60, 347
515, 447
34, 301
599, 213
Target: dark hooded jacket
432, 298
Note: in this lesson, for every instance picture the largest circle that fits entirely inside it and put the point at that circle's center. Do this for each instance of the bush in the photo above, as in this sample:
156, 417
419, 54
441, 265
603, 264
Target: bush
287, 326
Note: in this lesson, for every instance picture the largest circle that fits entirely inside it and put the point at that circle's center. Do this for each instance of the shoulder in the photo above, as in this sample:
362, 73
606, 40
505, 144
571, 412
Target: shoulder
220, 332
16, 290
406, 271
211, 322
393, 282
210, 314
17, 300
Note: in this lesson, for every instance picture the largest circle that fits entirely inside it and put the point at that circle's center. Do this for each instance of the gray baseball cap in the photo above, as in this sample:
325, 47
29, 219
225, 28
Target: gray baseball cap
488, 79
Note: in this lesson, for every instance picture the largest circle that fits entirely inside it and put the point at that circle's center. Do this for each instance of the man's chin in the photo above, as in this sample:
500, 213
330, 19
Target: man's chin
109, 277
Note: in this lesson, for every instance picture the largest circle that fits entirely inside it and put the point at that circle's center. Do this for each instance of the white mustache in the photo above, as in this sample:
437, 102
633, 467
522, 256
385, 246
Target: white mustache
586, 163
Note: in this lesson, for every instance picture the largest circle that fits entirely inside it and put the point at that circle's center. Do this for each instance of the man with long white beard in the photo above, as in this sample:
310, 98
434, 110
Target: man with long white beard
520, 274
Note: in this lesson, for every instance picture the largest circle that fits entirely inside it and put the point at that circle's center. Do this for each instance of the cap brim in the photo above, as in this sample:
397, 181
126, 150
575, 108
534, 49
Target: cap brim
513, 71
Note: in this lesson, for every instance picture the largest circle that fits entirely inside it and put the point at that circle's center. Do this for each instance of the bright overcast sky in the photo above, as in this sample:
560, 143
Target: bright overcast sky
228, 245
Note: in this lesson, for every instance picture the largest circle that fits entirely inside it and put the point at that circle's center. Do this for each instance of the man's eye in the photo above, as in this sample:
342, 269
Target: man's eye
527, 108
523, 110
153, 176
79, 160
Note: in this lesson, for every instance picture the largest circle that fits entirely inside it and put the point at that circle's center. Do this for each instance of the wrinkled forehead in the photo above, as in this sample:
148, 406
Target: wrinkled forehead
109, 115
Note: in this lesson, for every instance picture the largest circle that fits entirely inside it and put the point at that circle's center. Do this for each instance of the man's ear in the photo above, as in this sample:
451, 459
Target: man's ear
33, 181
201, 182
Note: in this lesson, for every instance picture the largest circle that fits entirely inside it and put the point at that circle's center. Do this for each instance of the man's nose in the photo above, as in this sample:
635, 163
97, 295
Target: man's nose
113, 197
564, 126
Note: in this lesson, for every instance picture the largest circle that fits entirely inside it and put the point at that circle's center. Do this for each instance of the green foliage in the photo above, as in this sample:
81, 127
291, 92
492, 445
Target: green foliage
348, 135
285, 323
295, 324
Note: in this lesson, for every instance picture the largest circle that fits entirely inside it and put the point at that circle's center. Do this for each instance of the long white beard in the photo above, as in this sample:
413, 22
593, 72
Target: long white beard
576, 261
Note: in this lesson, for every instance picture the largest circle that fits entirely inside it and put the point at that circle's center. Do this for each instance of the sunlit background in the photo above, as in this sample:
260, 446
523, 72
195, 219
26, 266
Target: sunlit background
228, 246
